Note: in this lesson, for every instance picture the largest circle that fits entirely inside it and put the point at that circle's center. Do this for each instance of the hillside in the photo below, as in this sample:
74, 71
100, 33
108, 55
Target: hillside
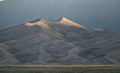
58, 42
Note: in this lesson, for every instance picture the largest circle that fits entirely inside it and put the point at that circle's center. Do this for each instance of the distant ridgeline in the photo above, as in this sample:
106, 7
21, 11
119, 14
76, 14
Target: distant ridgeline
58, 42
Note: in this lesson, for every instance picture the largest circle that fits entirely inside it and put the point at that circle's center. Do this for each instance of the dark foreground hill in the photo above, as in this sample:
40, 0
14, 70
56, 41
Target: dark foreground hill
58, 42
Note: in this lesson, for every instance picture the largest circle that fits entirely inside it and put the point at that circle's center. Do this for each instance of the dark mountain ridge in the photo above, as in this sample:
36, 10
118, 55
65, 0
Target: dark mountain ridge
58, 42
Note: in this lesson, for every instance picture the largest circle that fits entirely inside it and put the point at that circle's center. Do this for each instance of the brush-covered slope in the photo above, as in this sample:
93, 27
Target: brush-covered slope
58, 42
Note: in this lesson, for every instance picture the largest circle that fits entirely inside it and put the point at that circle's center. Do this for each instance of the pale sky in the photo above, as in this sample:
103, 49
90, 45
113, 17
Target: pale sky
2, 0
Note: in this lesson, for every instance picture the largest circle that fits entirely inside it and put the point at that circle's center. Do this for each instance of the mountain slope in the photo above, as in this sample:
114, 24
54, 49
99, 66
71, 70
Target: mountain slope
58, 42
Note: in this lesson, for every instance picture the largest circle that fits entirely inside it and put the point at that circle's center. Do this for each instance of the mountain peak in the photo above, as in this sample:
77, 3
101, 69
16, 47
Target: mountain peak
62, 19
41, 23
68, 22
65, 21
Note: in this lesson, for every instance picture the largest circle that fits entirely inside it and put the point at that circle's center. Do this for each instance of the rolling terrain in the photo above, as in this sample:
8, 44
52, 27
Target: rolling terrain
58, 42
